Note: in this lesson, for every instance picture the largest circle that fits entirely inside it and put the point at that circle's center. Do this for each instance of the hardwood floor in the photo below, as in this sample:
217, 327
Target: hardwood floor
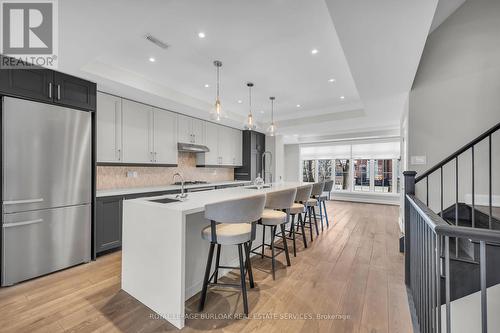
352, 276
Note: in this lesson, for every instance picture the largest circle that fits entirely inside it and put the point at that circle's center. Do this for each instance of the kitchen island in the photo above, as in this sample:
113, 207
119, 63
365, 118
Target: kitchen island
163, 255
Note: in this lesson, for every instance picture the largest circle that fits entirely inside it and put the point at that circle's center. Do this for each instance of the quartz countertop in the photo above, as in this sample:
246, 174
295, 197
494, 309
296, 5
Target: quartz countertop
137, 190
196, 201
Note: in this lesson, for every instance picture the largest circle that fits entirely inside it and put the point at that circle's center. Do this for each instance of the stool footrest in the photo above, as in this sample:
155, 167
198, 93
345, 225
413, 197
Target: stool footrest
231, 285
229, 267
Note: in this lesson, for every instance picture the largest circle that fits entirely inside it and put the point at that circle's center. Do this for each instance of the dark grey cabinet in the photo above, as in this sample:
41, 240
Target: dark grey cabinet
74, 92
254, 145
108, 223
45, 85
29, 83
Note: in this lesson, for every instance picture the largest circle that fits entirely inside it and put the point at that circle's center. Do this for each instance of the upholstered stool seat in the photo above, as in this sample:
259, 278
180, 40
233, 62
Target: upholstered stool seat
311, 202
297, 208
229, 234
273, 217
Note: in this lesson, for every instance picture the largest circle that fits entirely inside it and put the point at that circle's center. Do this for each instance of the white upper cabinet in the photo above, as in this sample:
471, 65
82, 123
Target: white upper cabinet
212, 142
109, 128
225, 146
137, 147
184, 129
238, 147
191, 130
198, 130
164, 136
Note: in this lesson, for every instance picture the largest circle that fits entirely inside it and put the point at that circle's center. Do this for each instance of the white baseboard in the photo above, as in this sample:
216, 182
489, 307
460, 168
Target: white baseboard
374, 200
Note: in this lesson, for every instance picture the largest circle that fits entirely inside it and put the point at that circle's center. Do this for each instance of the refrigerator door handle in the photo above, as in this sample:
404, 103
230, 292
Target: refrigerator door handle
16, 224
16, 202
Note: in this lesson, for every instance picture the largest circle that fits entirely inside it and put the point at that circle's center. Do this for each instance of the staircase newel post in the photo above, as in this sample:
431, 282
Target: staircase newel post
409, 179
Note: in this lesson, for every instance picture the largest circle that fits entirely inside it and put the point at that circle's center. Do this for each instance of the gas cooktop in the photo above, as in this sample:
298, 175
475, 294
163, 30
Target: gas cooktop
192, 182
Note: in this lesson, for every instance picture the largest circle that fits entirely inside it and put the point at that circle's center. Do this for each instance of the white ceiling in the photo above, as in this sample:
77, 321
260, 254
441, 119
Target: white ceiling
268, 42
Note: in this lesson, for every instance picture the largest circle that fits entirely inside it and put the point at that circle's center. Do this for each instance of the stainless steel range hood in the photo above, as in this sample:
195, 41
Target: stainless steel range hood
192, 148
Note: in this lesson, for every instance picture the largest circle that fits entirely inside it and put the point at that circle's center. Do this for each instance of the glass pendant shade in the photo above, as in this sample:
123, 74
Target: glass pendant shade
216, 113
250, 125
271, 130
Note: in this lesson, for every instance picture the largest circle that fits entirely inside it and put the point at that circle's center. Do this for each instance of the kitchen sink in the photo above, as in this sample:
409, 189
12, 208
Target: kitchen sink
165, 200
256, 188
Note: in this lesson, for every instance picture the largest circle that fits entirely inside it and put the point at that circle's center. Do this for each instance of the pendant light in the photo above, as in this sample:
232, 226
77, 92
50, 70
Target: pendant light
250, 125
272, 127
217, 113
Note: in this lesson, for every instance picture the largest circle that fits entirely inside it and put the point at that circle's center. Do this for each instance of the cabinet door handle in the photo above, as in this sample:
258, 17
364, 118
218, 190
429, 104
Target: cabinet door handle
156, 159
58, 92
50, 90
119, 154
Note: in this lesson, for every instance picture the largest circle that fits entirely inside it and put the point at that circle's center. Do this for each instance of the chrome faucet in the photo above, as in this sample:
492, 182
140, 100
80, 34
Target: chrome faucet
264, 171
183, 194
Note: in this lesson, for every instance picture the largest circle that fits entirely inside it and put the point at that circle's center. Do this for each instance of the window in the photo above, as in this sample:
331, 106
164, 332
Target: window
398, 174
324, 170
362, 175
309, 170
383, 176
341, 175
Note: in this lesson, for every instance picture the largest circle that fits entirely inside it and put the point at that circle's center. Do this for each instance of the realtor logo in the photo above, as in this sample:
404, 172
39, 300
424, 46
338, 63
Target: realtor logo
29, 33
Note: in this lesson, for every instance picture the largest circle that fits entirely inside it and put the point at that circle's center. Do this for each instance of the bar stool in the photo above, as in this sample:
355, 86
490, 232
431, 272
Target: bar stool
313, 202
303, 194
322, 201
276, 214
232, 222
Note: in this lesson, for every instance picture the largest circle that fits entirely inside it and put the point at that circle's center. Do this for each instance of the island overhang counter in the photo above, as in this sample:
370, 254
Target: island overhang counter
163, 255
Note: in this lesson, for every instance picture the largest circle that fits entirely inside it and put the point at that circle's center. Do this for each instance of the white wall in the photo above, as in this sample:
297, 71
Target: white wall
456, 97
292, 163
274, 144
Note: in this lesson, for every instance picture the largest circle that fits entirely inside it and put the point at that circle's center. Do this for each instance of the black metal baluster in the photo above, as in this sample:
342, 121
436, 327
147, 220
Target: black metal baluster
484, 309
442, 190
490, 188
447, 281
433, 282
438, 283
427, 191
473, 184
456, 204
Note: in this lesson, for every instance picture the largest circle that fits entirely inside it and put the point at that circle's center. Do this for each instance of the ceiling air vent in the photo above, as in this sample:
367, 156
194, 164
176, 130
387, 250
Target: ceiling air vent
157, 42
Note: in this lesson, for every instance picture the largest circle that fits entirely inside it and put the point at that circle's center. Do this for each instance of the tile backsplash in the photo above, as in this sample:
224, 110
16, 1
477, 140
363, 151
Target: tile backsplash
113, 177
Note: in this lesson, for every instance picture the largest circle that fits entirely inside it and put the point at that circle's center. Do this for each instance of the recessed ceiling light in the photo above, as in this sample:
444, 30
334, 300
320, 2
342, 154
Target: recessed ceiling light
207, 85
314, 51
342, 97
240, 101
298, 105
152, 59
201, 34
331, 80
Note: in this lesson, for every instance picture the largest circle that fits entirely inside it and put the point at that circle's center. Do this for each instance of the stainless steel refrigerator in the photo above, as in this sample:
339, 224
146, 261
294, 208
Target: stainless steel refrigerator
46, 189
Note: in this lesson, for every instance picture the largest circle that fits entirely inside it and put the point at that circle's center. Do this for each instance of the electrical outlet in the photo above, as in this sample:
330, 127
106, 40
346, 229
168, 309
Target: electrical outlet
132, 174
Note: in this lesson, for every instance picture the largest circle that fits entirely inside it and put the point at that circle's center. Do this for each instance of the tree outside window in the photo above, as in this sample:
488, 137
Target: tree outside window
341, 174
325, 170
362, 175
383, 176
308, 170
